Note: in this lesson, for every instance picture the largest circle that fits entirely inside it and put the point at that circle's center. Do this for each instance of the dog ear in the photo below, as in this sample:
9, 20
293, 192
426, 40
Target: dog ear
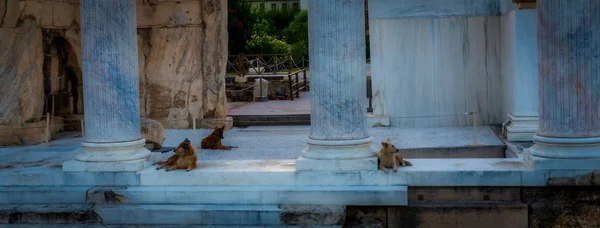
388, 140
384, 144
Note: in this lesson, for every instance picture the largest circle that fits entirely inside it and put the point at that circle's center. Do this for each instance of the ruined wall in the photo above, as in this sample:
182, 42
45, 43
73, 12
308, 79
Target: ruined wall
182, 50
566, 204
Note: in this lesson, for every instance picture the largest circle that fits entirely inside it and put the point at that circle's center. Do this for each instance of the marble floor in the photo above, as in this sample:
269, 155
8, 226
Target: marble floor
255, 143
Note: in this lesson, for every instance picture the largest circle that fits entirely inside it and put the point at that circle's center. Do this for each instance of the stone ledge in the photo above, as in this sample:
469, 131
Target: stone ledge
125, 166
43, 195
252, 195
541, 163
425, 172
189, 214
305, 164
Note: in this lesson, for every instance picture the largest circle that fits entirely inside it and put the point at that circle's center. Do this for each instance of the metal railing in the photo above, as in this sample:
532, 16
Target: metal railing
294, 83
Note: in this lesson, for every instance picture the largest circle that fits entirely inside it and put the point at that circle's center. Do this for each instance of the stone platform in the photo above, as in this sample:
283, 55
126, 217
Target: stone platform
258, 184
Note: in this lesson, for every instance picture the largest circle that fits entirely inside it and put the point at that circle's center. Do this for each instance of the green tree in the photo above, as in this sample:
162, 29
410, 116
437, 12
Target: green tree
239, 16
297, 35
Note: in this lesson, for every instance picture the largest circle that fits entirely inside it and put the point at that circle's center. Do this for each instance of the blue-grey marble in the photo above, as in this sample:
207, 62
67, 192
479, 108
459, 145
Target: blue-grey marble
393, 9
519, 63
110, 71
338, 69
569, 73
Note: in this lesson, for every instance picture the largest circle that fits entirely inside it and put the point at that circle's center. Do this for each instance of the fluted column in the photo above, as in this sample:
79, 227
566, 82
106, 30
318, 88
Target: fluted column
110, 85
569, 79
338, 81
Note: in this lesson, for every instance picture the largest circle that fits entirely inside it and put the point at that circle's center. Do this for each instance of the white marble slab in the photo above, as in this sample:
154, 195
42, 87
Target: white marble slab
427, 67
431, 8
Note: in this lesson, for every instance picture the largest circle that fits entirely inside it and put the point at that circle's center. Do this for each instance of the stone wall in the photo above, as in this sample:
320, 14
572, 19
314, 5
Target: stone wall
564, 206
182, 50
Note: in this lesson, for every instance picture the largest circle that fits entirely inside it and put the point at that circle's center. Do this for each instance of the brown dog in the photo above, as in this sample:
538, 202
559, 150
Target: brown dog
185, 157
213, 141
389, 157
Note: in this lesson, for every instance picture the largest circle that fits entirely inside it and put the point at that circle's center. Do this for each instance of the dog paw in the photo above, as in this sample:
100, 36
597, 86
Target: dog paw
395, 170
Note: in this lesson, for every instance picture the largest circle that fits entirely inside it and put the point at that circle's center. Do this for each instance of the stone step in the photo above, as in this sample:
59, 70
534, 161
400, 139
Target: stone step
240, 215
43, 195
267, 120
252, 195
47, 214
148, 226
189, 214
88, 215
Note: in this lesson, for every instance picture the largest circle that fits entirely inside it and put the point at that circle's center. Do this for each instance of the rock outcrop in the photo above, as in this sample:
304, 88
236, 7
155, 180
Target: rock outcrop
21, 80
153, 132
182, 69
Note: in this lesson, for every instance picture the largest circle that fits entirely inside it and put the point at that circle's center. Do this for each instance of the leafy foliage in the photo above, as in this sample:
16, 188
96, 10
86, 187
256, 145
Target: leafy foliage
238, 16
266, 44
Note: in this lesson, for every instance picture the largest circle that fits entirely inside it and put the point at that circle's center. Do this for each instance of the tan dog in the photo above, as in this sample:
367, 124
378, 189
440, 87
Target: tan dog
213, 141
185, 157
389, 157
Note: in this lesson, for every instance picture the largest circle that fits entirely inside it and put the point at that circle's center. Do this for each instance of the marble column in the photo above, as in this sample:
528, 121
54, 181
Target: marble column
520, 69
569, 84
338, 85
112, 141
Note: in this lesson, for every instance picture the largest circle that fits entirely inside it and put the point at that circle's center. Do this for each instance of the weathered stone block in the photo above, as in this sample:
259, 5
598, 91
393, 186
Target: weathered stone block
153, 131
151, 15
63, 14
21, 83
371, 217
47, 214
491, 215
10, 11
45, 14
312, 215
563, 206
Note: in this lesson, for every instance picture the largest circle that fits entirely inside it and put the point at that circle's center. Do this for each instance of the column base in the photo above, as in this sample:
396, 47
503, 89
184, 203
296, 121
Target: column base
338, 155
564, 153
109, 157
542, 163
521, 128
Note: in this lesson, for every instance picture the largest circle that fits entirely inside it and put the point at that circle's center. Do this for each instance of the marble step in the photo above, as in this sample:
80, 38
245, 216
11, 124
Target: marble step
18, 214
252, 195
88, 215
240, 215
43, 195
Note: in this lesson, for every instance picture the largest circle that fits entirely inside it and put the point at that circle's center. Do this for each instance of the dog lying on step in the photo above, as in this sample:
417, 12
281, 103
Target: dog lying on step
389, 157
185, 157
213, 141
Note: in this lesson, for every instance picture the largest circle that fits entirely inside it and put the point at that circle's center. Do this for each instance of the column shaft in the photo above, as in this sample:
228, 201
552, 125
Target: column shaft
110, 71
110, 87
338, 82
338, 66
569, 79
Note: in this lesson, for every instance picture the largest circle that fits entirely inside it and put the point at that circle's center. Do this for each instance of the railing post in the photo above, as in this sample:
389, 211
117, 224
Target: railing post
305, 80
297, 84
290, 86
